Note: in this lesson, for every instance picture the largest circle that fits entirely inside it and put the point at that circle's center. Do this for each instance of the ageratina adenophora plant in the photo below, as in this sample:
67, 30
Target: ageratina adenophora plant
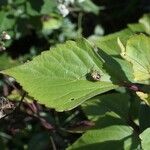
64, 85
108, 78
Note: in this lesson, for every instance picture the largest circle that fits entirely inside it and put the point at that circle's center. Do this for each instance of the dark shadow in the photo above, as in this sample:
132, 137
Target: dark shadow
25, 25
109, 121
23, 45
113, 68
3, 2
144, 116
36, 5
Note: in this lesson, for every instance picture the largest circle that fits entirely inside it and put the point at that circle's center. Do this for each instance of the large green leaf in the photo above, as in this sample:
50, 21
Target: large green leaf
58, 78
137, 52
113, 137
145, 139
111, 131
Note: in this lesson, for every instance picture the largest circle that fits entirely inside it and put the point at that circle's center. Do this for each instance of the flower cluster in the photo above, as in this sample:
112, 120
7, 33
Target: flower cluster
63, 6
4, 37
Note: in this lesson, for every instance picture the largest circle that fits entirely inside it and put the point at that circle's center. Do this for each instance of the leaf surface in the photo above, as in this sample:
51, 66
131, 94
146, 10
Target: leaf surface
145, 139
58, 78
111, 131
137, 52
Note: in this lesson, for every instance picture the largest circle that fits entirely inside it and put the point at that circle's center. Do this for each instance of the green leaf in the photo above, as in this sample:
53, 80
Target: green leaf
109, 43
136, 27
114, 62
145, 139
143, 25
111, 134
6, 21
99, 105
53, 22
6, 62
137, 52
145, 22
58, 78
42, 7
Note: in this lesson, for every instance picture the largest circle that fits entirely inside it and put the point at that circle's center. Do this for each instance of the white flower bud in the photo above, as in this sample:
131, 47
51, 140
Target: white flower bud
5, 36
63, 10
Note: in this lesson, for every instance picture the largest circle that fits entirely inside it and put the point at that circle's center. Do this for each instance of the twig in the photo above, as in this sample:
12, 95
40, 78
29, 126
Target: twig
80, 24
53, 144
22, 98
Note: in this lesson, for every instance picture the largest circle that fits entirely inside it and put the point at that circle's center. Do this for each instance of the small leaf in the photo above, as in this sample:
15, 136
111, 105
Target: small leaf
145, 22
58, 78
52, 22
143, 26
137, 52
144, 96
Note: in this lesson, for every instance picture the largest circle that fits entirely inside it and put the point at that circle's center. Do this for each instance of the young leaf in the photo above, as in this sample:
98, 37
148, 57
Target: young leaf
58, 78
143, 26
144, 96
137, 52
145, 22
